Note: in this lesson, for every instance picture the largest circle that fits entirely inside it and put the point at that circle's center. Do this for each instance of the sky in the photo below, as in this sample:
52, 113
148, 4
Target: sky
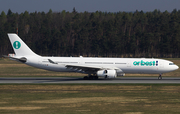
21, 6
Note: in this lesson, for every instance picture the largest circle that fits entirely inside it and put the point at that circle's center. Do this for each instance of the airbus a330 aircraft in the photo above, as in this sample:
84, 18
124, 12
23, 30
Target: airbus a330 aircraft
94, 67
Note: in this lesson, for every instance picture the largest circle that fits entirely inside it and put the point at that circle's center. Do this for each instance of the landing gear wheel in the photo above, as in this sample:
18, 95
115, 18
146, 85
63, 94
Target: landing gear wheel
160, 77
86, 78
106, 77
96, 77
90, 77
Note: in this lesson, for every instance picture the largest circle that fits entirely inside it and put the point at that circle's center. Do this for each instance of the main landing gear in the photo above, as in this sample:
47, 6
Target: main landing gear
160, 77
91, 77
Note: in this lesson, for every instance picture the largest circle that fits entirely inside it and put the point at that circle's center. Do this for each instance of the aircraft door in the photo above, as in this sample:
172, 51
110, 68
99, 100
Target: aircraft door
128, 63
81, 61
161, 64
39, 61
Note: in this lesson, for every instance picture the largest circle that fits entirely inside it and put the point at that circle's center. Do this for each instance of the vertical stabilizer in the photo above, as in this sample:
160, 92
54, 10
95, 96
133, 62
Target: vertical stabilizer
20, 48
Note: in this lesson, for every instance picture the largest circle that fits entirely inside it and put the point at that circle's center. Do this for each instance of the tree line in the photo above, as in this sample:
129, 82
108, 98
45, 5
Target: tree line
105, 34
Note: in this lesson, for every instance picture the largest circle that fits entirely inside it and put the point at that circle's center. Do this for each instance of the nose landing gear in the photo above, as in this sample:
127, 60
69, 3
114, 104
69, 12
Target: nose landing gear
160, 77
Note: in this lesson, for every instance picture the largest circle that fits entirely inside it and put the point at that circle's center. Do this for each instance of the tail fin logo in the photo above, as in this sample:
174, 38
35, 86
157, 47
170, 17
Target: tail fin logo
16, 44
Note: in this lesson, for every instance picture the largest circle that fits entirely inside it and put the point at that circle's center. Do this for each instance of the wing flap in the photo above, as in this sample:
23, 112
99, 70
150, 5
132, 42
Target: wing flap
84, 69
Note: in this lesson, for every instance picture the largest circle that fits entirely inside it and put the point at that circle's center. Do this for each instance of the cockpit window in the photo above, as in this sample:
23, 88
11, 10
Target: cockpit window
171, 63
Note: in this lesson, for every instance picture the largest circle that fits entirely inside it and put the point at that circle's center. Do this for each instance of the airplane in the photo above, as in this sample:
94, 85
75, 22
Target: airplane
95, 67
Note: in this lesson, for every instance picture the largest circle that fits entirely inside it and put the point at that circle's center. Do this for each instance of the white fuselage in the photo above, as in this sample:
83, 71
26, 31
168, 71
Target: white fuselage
103, 67
127, 65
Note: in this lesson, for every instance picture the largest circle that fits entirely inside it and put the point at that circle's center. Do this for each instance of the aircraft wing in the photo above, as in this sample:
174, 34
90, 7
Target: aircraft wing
79, 67
84, 69
90, 69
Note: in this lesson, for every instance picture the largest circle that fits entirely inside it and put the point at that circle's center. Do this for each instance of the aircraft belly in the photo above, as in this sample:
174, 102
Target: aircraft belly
140, 70
57, 68
51, 67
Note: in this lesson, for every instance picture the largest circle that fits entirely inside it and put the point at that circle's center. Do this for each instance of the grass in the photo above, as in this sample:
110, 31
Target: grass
90, 99
11, 68
84, 98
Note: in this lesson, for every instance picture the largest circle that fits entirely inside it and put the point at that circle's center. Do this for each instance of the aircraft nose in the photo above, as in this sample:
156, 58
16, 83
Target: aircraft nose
177, 67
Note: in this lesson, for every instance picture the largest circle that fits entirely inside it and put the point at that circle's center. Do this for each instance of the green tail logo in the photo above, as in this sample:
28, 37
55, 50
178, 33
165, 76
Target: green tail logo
16, 44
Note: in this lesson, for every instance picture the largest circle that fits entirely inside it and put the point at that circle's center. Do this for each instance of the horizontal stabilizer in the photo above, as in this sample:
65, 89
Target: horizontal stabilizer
22, 59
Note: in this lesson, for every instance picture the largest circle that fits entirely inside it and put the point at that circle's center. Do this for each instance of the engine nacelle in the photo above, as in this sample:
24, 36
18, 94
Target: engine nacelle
107, 73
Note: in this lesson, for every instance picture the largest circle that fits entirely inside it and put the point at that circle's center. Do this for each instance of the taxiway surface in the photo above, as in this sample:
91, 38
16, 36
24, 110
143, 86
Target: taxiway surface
70, 80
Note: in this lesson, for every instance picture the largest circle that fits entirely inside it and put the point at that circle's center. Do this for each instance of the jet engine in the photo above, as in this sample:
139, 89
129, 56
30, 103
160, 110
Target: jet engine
107, 73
